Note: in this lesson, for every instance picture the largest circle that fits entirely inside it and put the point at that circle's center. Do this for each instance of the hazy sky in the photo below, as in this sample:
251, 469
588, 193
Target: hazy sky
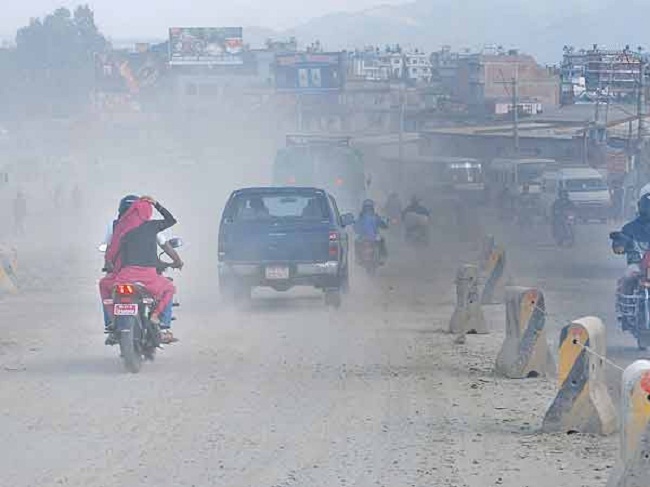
151, 18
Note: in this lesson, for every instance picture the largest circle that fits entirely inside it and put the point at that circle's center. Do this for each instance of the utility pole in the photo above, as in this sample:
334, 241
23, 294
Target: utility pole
514, 86
400, 156
515, 111
640, 109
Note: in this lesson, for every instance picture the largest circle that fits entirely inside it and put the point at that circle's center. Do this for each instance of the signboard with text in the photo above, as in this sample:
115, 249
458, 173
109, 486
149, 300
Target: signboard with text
205, 46
309, 72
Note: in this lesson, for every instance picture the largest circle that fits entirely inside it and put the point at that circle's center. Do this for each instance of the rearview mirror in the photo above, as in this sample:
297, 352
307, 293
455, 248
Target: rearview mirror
175, 242
347, 219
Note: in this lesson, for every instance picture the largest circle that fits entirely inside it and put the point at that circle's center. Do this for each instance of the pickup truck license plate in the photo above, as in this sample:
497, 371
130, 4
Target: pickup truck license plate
274, 273
125, 309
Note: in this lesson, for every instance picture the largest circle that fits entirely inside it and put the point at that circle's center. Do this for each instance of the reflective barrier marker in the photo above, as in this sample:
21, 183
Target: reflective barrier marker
494, 277
487, 248
583, 403
8, 263
525, 352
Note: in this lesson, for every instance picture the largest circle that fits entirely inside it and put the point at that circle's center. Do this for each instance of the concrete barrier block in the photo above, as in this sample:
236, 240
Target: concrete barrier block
8, 265
468, 315
493, 290
525, 352
583, 403
633, 467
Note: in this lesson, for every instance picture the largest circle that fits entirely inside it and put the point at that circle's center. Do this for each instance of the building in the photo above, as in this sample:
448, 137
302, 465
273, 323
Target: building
593, 74
392, 63
486, 81
370, 65
417, 66
445, 65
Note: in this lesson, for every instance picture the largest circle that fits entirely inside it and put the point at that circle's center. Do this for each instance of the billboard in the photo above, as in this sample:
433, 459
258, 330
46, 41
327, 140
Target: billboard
313, 72
205, 46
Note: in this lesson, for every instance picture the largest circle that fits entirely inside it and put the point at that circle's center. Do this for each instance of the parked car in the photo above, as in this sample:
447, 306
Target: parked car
282, 237
587, 190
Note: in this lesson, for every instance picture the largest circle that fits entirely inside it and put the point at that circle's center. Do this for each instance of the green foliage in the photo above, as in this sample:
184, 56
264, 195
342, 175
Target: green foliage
61, 40
51, 69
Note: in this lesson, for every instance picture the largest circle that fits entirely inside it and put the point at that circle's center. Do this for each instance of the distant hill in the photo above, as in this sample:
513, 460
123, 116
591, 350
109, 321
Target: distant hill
539, 28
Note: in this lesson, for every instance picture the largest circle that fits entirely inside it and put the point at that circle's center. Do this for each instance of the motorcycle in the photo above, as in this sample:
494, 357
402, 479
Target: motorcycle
416, 229
564, 234
137, 337
368, 255
633, 301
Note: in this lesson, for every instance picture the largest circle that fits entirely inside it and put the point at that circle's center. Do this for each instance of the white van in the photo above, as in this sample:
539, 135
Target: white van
587, 190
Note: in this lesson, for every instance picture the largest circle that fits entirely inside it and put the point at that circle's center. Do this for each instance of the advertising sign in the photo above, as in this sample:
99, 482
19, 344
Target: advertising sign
204, 46
308, 72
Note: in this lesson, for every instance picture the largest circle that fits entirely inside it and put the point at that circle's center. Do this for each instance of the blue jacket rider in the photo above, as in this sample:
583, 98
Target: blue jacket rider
369, 222
639, 231
368, 227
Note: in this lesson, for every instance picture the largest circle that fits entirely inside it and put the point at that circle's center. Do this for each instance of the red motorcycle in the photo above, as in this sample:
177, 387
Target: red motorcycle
367, 254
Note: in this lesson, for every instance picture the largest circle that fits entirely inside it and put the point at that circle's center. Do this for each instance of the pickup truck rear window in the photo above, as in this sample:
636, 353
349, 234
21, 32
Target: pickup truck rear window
287, 206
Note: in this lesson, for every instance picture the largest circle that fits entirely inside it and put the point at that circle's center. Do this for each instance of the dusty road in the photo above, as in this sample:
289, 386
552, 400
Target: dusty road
289, 393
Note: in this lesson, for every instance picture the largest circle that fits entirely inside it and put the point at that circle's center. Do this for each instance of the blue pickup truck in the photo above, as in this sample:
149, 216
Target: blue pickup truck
281, 237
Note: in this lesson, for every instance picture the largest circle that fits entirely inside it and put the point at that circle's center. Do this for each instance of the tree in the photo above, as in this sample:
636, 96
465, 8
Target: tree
56, 55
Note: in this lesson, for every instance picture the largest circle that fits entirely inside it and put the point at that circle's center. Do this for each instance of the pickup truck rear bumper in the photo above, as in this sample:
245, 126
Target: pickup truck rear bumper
318, 274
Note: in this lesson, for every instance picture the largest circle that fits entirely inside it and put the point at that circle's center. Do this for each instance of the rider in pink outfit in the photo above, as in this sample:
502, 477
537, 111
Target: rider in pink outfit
132, 254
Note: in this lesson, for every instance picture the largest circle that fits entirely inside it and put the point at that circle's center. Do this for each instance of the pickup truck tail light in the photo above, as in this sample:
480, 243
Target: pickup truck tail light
334, 245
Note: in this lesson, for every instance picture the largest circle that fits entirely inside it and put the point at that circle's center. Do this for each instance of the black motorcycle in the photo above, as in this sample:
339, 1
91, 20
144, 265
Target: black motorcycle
633, 297
564, 230
137, 337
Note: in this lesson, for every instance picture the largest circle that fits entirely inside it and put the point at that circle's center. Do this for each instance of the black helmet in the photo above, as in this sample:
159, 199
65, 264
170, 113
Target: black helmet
125, 204
368, 205
644, 207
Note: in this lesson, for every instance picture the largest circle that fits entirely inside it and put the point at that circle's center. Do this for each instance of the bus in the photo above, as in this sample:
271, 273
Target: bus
327, 162
461, 173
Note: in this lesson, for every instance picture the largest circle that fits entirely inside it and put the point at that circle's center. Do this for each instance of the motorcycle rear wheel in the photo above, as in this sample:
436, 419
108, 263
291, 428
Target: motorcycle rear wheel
130, 344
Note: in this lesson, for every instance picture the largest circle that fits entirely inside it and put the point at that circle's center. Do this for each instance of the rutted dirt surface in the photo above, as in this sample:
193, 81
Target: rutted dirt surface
289, 393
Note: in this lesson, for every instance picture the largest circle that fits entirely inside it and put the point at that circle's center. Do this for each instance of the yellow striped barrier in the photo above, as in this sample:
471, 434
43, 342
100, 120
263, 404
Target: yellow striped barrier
633, 468
583, 403
487, 247
525, 352
493, 289
468, 315
8, 265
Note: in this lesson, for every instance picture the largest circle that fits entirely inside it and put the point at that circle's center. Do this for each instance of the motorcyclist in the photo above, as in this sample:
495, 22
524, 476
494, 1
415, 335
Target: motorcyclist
415, 217
162, 240
561, 207
638, 233
415, 206
132, 256
393, 207
368, 226
526, 205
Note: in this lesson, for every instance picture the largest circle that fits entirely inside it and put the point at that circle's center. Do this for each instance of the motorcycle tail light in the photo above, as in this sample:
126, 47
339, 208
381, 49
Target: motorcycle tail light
125, 289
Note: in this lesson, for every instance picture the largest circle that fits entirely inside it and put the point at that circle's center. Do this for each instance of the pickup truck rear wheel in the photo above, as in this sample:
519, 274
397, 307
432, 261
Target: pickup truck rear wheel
333, 298
235, 292
345, 280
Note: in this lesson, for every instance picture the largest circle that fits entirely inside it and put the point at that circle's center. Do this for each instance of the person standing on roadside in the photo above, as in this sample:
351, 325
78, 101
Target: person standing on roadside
20, 213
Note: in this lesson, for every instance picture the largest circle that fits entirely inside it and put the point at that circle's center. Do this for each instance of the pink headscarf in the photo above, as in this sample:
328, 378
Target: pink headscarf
136, 215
